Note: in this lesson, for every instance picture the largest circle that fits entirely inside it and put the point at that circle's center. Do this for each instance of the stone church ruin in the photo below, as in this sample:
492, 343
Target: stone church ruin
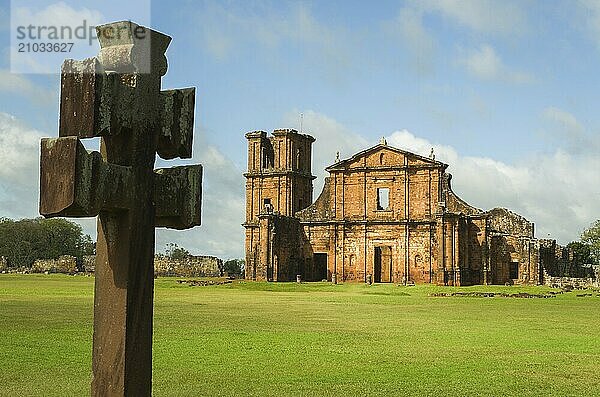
384, 215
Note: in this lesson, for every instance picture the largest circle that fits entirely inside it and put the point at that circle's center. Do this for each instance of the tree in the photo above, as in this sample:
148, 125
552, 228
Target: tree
234, 267
26, 240
175, 252
591, 236
582, 258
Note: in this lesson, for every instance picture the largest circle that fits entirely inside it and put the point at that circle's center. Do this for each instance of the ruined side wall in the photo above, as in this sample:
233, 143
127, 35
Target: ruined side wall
322, 209
558, 261
505, 250
193, 266
576, 282
511, 241
63, 264
88, 263
503, 221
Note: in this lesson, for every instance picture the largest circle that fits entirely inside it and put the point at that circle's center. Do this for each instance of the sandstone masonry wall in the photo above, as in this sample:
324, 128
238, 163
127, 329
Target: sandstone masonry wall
193, 266
63, 264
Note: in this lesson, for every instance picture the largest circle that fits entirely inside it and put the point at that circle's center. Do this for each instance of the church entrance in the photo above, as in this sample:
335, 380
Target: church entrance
320, 261
383, 265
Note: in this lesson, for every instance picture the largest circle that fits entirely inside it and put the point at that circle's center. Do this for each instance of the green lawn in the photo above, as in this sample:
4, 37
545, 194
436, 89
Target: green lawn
316, 339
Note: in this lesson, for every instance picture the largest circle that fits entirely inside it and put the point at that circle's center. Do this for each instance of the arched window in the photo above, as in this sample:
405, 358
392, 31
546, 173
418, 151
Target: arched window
298, 159
263, 157
381, 158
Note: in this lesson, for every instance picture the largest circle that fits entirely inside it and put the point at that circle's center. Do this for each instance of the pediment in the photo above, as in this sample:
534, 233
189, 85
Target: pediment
383, 156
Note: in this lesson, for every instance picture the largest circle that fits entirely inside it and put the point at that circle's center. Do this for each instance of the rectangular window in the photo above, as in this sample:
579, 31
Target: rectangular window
383, 198
267, 205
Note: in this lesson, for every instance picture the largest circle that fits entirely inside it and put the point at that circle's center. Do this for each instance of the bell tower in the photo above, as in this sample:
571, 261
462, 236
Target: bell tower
279, 181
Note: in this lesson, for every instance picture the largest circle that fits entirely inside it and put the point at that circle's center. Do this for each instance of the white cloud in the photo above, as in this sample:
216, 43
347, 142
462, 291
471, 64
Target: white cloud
19, 174
486, 16
486, 64
55, 14
489, 17
564, 119
557, 192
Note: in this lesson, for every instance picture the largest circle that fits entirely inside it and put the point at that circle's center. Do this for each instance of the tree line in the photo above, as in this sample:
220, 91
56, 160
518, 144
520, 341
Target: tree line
584, 254
25, 240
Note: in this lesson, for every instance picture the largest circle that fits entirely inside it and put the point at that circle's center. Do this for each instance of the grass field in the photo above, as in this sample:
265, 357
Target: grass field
258, 339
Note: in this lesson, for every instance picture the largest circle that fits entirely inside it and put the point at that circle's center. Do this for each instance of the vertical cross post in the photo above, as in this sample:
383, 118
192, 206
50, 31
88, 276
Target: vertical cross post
118, 97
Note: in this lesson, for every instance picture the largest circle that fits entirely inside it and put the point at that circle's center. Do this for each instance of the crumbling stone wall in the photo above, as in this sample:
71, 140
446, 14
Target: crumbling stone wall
558, 261
63, 264
191, 266
88, 263
513, 249
576, 282
3, 264
503, 221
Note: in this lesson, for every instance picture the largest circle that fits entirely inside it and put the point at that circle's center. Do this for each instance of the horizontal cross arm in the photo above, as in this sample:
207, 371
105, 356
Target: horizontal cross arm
77, 183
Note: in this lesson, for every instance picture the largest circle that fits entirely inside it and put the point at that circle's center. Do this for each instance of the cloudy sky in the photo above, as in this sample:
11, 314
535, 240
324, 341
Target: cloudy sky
505, 91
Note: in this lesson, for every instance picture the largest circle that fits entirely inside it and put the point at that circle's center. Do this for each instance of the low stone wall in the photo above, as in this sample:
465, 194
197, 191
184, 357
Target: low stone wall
64, 264
576, 282
192, 266
88, 264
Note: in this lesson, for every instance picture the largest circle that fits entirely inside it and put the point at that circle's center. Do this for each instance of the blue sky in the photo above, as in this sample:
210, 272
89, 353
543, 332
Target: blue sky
505, 91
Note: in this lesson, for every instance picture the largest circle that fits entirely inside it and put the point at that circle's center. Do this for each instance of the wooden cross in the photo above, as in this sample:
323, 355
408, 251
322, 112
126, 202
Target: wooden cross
117, 96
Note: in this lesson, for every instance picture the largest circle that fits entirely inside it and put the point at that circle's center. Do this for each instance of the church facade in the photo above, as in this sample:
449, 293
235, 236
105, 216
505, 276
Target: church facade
385, 215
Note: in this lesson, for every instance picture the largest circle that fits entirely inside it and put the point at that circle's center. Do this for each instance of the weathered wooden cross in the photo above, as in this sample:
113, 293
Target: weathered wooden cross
117, 96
